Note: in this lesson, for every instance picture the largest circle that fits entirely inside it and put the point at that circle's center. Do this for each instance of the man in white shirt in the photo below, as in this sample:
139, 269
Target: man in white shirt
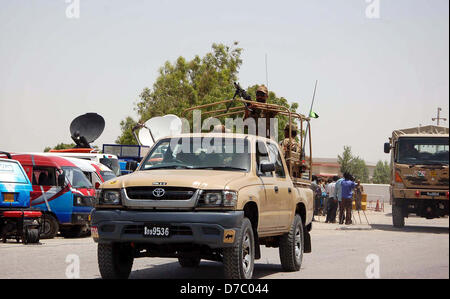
332, 201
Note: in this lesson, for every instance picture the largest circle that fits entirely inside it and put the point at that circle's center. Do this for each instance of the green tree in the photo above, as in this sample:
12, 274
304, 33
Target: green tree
353, 165
60, 146
382, 173
127, 136
345, 160
187, 83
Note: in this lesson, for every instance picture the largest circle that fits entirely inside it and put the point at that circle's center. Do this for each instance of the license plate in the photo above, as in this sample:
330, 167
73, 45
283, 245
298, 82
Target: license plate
156, 230
8, 197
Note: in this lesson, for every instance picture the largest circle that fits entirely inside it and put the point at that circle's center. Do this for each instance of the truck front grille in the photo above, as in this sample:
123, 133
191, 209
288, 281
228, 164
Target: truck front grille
161, 193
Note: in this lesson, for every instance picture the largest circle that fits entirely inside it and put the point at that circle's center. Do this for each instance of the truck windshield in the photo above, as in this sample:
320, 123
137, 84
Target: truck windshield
431, 150
112, 164
76, 177
107, 175
10, 172
228, 154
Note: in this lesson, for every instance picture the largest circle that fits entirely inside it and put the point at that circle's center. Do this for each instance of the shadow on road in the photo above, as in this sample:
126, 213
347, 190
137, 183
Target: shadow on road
206, 270
412, 229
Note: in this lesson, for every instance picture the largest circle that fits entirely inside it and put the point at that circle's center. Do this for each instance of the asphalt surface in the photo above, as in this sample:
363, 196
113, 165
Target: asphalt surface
374, 250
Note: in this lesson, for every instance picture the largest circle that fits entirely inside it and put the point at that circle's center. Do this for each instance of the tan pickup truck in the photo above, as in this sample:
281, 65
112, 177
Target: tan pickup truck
204, 196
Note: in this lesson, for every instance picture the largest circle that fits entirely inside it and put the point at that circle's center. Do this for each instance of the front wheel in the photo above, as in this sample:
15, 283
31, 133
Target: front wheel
398, 217
31, 235
239, 260
49, 227
292, 246
115, 260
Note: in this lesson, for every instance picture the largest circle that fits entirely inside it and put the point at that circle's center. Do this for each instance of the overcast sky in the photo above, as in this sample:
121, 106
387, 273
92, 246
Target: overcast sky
378, 69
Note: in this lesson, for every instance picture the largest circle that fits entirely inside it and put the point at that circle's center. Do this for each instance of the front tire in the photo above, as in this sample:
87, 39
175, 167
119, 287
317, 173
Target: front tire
398, 217
239, 260
115, 260
50, 227
292, 246
31, 235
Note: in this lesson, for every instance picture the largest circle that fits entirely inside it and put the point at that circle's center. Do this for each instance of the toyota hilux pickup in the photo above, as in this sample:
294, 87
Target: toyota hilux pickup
212, 196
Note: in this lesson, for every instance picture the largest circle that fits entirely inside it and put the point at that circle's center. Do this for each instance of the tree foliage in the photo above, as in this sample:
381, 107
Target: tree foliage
60, 146
353, 165
187, 83
382, 173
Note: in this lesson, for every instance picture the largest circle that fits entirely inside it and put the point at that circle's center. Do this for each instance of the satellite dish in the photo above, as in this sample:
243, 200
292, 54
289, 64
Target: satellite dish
158, 127
86, 129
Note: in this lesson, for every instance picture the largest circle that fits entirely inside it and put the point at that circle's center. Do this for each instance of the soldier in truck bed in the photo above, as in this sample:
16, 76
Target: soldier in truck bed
286, 144
262, 94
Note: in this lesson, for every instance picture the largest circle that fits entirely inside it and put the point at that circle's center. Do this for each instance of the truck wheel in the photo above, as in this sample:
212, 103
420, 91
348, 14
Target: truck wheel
115, 260
292, 246
239, 260
189, 262
31, 235
49, 227
398, 219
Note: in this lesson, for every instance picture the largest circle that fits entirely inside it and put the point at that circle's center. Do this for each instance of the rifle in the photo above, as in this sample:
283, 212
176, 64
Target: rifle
242, 94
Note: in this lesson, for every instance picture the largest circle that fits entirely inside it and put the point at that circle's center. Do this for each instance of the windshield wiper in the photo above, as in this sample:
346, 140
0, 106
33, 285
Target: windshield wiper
169, 167
221, 168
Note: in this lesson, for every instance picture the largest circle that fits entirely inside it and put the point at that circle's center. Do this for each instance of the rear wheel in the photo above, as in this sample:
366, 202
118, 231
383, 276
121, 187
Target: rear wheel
115, 260
398, 217
31, 235
292, 246
49, 227
239, 260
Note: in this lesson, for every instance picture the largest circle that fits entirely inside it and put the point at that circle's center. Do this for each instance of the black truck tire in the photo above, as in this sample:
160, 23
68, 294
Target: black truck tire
189, 262
292, 246
398, 218
115, 260
50, 227
31, 235
239, 260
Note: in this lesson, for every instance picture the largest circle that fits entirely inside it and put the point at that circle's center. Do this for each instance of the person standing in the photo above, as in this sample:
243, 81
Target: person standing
338, 196
332, 201
347, 186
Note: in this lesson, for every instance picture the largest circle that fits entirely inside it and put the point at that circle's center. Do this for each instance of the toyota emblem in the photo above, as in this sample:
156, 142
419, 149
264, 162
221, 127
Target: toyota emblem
159, 192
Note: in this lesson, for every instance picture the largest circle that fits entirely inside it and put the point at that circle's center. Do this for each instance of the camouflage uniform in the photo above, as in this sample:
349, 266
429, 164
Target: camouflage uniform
285, 145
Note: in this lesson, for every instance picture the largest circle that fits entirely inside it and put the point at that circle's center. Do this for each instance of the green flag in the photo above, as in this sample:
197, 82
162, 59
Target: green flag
313, 115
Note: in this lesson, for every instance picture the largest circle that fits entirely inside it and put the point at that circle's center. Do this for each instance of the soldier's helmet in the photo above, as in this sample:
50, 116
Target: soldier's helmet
263, 89
293, 128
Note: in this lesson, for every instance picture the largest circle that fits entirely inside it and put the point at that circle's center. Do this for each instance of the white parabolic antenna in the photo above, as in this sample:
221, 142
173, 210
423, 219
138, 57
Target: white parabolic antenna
160, 126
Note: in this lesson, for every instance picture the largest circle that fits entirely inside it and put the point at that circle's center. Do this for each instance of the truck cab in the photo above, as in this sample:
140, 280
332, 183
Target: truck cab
420, 173
61, 191
17, 219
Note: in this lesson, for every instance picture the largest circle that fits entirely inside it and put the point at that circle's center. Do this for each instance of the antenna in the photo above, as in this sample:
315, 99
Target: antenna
267, 75
438, 116
307, 127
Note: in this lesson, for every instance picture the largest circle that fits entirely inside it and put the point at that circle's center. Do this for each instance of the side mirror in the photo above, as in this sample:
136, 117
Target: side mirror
132, 165
61, 180
387, 147
267, 167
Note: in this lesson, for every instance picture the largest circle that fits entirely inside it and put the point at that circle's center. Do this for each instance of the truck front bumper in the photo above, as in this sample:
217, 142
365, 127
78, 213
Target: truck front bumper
214, 229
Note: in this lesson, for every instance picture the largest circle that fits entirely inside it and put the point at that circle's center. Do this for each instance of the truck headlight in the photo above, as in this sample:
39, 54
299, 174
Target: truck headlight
110, 197
217, 199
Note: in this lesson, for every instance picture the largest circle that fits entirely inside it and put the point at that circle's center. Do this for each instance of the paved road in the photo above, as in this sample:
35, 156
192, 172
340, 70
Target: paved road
420, 250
